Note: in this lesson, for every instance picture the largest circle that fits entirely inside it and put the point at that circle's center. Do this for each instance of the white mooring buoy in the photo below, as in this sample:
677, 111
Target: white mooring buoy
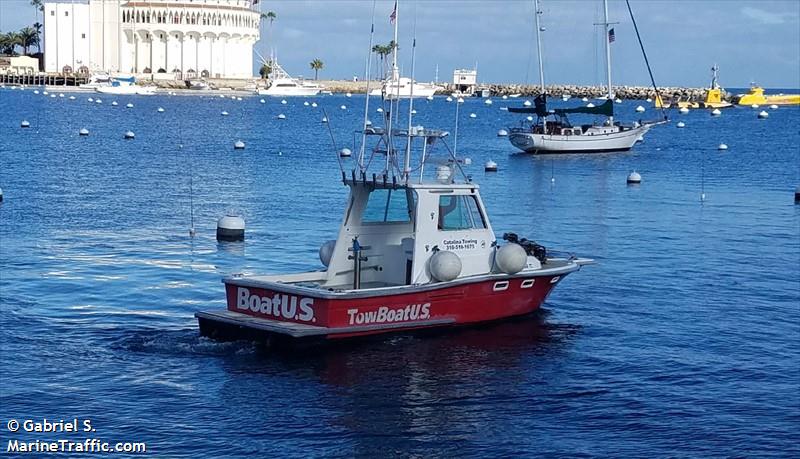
754, 106
343, 107
130, 105
52, 96
379, 110
345, 152
71, 97
584, 100
306, 104
617, 101
281, 116
324, 119
490, 166
221, 96
681, 124
773, 107
683, 110
313, 104
505, 97
429, 98
114, 103
648, 100
230, 228
590, 105
90, 99
762, 115
25, 124
413, 111
283, 101
716, 112
348, 95
722, 146
529, 118
262, 101
83, 132
224, 113
239, 145
36, 91
502, 133
160, 110
45, 93
61, 94
238, 99
640, 109
449, 99
98, 101
488, 101
129, 135
527, 103
634, 178
472, 115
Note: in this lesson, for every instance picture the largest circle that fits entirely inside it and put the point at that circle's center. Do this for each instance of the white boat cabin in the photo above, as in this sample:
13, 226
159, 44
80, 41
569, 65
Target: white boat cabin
401, 227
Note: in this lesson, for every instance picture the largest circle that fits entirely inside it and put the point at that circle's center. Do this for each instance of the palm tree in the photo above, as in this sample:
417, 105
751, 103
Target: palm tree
39, 5
38, 26
382, 51
8, 41
27, 37
316, 66
265, 70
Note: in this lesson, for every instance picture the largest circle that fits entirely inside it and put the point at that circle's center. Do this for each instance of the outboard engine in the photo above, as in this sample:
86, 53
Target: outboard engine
531, 247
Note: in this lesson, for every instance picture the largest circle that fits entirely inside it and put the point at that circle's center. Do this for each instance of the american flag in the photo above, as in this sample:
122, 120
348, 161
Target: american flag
393, 16
611, 36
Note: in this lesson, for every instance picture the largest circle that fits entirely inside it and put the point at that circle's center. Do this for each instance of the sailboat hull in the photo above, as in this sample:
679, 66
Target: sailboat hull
590, 142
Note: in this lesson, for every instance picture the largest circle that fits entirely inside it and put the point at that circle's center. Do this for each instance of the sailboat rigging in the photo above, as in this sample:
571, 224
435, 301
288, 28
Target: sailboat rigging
557, 134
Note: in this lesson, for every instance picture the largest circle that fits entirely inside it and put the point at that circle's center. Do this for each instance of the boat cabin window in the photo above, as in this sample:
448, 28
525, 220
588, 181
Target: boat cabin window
459, 213
389, 206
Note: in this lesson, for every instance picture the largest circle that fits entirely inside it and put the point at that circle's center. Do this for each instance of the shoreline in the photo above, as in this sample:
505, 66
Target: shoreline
248, 86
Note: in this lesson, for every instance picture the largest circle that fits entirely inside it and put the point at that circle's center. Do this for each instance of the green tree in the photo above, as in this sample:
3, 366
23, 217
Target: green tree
27, 37
265, 70
39, 5
382, 51
316, 66
8, 41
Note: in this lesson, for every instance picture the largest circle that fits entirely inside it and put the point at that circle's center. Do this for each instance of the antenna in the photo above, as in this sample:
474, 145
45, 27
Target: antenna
407, 159
366, 99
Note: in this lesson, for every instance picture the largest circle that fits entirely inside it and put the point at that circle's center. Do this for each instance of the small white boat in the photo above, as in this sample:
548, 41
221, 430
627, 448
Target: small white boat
283, 85
97, 80
403, 88
198, 85
125, 86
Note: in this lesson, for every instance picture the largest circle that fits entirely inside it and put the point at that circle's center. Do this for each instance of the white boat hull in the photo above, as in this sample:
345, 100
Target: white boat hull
403, 90
590, 142
125, 90
289, 92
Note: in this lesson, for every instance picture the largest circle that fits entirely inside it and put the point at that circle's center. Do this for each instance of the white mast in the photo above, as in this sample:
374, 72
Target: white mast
608, 56
395, 70
538, 13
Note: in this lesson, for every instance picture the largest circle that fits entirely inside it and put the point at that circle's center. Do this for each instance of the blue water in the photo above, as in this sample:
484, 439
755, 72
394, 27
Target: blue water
681, 342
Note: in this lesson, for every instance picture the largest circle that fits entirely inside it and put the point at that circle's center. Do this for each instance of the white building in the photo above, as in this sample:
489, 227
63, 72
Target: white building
187, 38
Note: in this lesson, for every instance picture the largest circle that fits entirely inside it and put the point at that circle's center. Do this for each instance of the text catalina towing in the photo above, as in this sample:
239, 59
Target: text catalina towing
415, 250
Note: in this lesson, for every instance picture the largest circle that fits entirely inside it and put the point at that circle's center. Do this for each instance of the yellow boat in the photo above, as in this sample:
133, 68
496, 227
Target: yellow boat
757, 96
714, 97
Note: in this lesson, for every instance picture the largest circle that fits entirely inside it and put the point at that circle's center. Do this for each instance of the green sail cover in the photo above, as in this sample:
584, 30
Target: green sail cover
606, 108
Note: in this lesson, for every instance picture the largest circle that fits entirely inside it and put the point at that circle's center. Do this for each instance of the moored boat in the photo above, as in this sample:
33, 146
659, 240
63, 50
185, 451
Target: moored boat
715, 97
412, 252
552, 132
756, 96
283, 85
125, 86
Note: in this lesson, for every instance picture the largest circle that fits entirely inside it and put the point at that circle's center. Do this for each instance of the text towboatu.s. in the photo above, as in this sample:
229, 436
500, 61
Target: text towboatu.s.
415, 250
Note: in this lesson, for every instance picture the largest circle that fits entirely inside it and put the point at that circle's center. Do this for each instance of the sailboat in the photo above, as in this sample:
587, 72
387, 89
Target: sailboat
552, 132
395, 86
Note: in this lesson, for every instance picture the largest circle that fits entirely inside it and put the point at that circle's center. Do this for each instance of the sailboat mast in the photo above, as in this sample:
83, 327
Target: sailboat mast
608, 54
539, 42
395, 70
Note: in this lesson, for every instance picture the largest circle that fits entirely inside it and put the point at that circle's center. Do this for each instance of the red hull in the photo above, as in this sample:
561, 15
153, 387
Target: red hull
345, 316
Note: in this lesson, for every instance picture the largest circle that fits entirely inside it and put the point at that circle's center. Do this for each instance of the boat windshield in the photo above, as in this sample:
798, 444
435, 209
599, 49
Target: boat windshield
389, 206
459, 213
